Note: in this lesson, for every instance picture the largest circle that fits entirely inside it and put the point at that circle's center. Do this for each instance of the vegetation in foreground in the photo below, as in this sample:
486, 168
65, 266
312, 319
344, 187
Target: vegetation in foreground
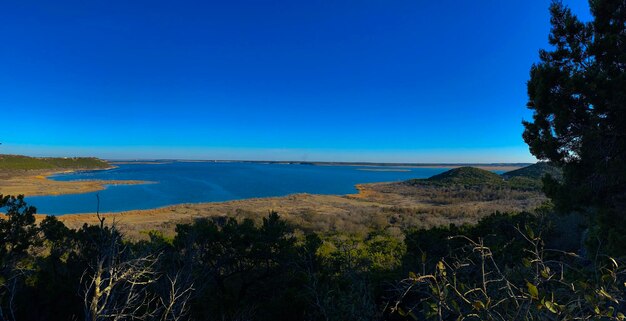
223, 269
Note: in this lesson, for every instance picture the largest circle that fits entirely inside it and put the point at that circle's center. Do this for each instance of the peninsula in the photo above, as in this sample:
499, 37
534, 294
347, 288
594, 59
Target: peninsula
30, 175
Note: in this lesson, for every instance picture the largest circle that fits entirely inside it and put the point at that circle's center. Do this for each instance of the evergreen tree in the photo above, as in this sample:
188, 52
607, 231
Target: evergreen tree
578, 94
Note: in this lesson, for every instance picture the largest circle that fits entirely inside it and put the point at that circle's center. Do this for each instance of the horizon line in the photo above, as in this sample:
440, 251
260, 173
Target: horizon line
308, 162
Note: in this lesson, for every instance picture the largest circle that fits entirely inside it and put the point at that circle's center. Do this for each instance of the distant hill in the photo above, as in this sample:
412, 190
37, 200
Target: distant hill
468, 176
461, 176
535, 171
527, 178
18, 162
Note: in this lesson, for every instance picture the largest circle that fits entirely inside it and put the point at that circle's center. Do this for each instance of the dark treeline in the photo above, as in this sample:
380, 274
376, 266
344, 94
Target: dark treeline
213, 269
223, 269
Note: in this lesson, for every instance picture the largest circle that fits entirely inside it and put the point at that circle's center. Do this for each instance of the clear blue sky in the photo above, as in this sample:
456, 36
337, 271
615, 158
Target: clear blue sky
397, 81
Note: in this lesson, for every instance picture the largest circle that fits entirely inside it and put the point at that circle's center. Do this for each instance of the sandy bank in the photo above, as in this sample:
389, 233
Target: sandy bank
37, 183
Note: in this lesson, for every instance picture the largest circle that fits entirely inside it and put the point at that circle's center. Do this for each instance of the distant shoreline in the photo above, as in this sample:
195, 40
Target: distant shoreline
139, 162
485, 166
383, 169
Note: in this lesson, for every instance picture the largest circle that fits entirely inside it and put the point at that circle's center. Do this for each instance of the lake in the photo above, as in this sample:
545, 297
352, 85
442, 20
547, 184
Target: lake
198, 182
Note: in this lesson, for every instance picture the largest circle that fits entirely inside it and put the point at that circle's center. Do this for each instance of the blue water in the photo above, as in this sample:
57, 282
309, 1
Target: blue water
196, 182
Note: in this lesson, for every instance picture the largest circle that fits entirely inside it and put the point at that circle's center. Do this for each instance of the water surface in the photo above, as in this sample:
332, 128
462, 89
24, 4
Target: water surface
197, 182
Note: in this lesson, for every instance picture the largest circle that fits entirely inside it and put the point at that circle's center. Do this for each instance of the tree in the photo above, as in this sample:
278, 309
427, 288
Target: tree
578, 94
122, 285
241, 270
17, 230
18, 233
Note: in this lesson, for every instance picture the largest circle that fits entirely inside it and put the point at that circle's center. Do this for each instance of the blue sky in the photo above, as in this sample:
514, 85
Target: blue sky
396, 81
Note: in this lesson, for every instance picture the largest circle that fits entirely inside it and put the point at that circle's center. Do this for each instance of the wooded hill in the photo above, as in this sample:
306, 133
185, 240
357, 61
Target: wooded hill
19, 162
526, 178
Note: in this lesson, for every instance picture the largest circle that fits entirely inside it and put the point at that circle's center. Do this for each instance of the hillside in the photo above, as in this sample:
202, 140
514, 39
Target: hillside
535, 171
18, 162
467, 176
461, 176
529, 177
470, 183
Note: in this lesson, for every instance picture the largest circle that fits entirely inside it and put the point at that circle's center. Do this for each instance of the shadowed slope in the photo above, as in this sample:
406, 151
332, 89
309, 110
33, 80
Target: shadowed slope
535, 171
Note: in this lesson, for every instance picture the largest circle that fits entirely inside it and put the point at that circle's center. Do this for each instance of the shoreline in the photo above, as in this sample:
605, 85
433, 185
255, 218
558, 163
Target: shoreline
363, 191
374, 204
